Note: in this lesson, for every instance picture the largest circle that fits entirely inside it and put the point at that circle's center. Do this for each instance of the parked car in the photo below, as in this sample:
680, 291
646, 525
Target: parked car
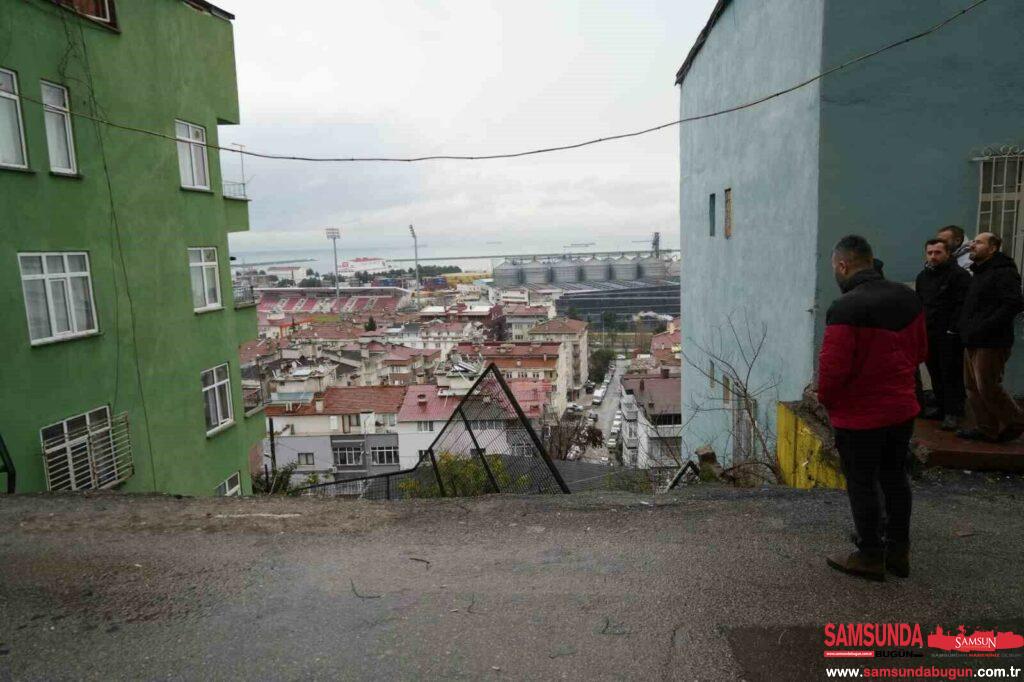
611, 443
620, 356
592, 415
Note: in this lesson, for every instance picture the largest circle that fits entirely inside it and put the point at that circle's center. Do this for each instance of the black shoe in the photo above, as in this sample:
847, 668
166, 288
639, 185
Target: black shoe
974, 434
931, 413
897, 560
870, 566
1012, 433
950, 423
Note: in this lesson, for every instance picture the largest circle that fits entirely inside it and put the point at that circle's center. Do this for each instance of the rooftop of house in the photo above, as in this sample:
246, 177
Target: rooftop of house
702, 37
560, 325
581, 586
250, 351
656, 393
519, 310
491, 349
423, 403
340, 400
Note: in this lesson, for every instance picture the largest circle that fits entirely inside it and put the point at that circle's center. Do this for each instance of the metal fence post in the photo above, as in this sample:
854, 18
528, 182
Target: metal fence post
437, 472
479, 451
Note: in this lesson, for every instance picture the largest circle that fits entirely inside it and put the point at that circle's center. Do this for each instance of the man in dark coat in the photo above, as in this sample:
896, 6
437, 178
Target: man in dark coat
942, 286
875, 338
986, 329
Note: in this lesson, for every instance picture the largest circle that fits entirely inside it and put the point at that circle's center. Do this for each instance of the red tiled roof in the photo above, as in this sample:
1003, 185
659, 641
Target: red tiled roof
560, 325
524, 363
519, 310
659, 395
249, 351
350, 400
666, 340
422, 403
517, 349
532, 395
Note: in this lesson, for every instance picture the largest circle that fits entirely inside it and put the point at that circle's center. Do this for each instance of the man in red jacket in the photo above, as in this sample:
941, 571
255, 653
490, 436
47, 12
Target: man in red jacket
875, 338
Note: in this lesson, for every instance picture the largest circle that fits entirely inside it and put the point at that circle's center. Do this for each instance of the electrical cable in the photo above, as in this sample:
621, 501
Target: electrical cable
124, 266
547, 150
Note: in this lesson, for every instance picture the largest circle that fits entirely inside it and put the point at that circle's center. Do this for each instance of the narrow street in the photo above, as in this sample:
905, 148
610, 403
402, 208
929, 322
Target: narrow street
606, 412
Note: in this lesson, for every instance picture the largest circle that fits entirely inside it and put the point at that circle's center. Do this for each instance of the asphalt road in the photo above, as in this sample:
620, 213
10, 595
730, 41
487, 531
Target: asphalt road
708, 584
606, 411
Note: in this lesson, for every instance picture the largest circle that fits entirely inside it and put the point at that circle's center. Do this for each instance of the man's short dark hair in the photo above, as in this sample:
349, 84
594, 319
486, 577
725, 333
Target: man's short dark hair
855, 249
933, 242
995, 240
957, 231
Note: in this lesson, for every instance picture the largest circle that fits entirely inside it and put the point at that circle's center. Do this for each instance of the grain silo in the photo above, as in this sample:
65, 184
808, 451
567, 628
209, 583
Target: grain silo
566, 270
653, 267
507, 275
624, 269
595, 270
536, 272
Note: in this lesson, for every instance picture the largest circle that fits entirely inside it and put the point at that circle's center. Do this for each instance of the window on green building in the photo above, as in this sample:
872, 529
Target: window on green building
217, 398
59, 139
58, 295
99, 10
12, 131
192, 155
230, 487
205, 276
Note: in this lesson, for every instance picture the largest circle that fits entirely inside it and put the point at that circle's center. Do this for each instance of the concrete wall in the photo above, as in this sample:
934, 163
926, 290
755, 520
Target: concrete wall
898, 132
767, 155
167, 61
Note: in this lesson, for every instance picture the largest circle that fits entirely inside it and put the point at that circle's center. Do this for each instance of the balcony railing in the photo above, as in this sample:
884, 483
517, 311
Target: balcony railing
244, 294
95, 456
234, 190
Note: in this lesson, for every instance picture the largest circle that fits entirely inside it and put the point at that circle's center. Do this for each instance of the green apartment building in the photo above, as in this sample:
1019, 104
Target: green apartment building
120, 325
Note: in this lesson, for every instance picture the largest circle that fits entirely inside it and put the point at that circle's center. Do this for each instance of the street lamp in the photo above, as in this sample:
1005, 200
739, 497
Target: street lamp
333, 234
416, 258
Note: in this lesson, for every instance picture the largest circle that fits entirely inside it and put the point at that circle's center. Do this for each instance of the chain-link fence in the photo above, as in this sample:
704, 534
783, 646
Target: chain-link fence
486, 446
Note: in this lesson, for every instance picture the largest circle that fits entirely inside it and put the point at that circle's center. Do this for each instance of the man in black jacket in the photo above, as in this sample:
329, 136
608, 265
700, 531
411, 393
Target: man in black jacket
986, 329
942, 286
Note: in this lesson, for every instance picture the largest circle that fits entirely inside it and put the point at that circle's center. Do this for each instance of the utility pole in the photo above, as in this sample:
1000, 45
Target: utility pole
416, 259
333, 234
273, 446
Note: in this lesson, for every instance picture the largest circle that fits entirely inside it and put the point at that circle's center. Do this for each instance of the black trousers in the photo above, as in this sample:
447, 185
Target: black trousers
946, 368
876, 463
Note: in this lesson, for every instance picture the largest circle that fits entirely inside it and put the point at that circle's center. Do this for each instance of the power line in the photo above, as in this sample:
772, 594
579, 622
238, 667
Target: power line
547, 150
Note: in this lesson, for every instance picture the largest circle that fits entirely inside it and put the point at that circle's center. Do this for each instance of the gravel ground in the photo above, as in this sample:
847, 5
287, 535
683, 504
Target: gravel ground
711, 583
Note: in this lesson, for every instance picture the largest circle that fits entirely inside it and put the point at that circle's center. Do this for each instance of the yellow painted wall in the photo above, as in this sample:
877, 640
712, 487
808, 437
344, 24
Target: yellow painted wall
801, 459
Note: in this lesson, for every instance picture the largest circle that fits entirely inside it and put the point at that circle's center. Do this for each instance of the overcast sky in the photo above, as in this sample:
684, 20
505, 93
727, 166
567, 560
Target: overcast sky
417, 77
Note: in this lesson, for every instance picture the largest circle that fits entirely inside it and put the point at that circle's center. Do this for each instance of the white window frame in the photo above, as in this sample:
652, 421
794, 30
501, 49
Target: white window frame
380, 455
353, 454
206, 266
424, 426
308, 456
232, 486
1009, 192
16, 98
49, 277
195, 141
217, 388
69, 136
72, 447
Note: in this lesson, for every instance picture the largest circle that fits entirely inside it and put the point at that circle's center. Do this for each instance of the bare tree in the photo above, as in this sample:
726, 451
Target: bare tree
561, 435
728, 361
